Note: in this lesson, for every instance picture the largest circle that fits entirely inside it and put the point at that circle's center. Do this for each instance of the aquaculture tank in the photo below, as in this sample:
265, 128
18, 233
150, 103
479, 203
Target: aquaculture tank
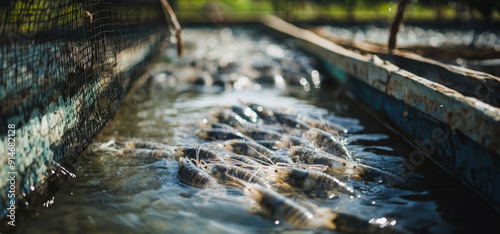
259, 127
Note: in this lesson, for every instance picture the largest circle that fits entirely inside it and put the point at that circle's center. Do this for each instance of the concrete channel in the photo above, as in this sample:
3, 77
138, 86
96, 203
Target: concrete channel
451, 114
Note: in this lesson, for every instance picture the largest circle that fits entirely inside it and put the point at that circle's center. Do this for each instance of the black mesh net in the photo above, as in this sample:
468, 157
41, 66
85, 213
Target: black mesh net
65, 67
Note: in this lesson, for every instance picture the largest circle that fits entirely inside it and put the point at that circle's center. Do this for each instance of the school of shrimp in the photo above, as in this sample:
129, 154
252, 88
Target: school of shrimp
277, 159
272, 155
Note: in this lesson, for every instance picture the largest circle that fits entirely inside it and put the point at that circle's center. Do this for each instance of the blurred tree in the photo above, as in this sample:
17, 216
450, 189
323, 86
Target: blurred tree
348, 5
287, 8
321, 7
437, 5
280, 8
485, 7
214, 11
173, 4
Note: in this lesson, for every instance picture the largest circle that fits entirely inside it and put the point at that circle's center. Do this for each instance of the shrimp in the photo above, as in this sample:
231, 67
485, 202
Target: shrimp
191, 175
228, 173
230, 118
283, 208
272, 145
155, 153
275, 117
335, 164
255, 127
246, 147
292, 121
280, 158
371, 173
220, 134
261, 134
325, 125
247, 113
266, 115
311, 180
289, 141
105, 148
255, 150
147, 145
200, 154
346, 223
241, 160
328, 142
263, 160
206, 124
227, 117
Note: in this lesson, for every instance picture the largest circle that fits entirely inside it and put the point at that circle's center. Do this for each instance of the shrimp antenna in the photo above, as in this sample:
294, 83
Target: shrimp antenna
261, 154
198, 151
234, 162
256, 166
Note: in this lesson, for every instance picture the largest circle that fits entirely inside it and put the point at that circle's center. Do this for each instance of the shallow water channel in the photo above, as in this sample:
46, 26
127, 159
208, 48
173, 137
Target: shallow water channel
125, 194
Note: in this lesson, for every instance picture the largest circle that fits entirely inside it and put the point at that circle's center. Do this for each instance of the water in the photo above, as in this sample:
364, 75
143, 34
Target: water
120, 193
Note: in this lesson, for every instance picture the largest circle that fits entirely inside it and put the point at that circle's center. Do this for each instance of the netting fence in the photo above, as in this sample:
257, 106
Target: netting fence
65, 66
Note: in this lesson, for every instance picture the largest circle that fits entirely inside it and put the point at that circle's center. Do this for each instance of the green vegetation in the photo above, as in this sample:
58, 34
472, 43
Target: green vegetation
341, 10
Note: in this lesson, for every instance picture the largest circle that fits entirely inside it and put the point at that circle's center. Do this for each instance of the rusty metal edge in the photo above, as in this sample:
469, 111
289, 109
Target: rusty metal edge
418, 107
477, 120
